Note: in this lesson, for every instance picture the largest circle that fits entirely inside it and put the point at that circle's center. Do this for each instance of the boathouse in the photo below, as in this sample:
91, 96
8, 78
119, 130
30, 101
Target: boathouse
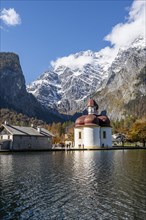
24, 138
93, 130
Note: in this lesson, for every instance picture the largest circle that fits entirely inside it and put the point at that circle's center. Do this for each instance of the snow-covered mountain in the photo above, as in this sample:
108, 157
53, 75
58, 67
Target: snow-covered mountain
68, 83
74, 78
70, 80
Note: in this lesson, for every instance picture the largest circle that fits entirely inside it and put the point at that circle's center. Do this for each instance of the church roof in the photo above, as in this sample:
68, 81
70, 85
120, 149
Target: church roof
92, 119
80, 120
21, 130
103, 120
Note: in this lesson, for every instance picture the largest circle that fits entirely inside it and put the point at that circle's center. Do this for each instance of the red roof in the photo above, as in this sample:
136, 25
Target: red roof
80, 121
103, 120
92, 120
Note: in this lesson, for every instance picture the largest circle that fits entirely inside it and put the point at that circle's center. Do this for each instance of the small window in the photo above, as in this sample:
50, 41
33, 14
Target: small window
104, 134
80, 136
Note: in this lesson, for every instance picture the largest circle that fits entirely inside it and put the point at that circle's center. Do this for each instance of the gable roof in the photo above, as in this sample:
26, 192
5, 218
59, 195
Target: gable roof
20, 130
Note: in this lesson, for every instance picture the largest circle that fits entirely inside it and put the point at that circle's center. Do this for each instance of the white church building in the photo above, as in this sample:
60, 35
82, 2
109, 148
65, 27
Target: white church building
93, 130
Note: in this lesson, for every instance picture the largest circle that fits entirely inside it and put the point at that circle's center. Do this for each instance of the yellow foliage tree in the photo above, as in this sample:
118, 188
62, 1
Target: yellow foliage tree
138, 132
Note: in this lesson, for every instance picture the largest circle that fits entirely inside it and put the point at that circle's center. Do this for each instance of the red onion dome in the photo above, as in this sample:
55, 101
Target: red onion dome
80, 121
92, 103
91, 119
104, 120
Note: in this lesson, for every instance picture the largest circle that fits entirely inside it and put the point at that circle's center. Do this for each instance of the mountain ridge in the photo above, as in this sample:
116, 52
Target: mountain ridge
73, 79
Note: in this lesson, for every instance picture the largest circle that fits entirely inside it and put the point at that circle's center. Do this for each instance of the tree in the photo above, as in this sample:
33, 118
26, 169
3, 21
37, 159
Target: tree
138, 132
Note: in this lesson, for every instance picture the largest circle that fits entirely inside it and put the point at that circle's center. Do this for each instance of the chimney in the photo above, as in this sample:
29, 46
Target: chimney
39, 129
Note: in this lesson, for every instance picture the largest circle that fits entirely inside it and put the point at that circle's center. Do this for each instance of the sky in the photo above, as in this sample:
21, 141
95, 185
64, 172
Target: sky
42, 32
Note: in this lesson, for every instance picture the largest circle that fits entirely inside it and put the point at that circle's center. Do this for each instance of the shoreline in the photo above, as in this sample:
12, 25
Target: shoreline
75, 149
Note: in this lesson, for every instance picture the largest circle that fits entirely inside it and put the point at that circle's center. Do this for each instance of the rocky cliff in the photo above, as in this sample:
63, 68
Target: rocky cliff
13, 94
124, 91
67, 84
116, 80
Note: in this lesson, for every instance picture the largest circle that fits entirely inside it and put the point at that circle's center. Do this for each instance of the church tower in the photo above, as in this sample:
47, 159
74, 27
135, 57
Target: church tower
93, 130
92, 107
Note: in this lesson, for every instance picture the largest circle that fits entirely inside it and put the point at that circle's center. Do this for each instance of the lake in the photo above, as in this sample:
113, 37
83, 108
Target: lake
84, 185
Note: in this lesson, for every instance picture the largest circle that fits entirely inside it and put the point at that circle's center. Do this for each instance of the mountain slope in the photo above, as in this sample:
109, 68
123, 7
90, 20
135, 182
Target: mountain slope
65, 86
74, 78
13, 94
124, 91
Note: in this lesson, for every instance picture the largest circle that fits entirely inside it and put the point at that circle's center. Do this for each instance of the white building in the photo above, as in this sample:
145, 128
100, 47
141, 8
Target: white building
93, 130
24, 138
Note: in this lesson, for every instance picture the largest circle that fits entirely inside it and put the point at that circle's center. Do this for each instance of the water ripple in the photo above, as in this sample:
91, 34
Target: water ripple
73, 185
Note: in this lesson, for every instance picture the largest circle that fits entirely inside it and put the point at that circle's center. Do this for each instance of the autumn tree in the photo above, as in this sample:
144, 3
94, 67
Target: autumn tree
123, 125
70, 133
138, 132
59, 130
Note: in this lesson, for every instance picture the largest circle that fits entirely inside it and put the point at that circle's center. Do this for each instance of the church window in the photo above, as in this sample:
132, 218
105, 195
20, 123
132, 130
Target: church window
80, 136
104, 134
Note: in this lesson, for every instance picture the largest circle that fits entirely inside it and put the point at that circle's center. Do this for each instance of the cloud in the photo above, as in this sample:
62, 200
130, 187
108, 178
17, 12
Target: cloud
72, 61
122, 35
108, 54
125, 33
10, 17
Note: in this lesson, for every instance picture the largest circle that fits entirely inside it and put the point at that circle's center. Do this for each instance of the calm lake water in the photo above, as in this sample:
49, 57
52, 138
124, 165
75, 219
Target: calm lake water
73, 185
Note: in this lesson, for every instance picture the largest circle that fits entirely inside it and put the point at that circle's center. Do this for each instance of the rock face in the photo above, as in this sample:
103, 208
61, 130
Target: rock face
117, 83
13, 94
113, 81
65, 86
124, 91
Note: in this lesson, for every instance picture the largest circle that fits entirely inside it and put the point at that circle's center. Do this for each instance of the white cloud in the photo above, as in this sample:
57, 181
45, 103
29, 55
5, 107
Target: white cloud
122, 35
108, 54
125, 33
72, 61
10, 17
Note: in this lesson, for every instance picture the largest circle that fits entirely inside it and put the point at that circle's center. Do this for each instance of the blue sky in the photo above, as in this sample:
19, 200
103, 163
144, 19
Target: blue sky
47, 30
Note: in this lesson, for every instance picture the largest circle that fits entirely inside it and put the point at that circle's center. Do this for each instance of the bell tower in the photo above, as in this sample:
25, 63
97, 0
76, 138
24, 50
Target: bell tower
92, 107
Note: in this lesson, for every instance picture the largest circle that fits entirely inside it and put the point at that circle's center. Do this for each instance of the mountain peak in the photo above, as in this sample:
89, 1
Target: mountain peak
77, 76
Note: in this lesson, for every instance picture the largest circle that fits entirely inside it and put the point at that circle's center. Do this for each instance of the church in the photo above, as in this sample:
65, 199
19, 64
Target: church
93, 130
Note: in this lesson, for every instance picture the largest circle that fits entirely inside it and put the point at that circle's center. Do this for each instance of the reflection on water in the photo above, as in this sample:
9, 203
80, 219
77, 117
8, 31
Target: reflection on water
73, 185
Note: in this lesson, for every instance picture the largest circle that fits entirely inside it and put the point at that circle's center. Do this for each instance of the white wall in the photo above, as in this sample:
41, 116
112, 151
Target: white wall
91, 136
6, 137
77, 140
107, 142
